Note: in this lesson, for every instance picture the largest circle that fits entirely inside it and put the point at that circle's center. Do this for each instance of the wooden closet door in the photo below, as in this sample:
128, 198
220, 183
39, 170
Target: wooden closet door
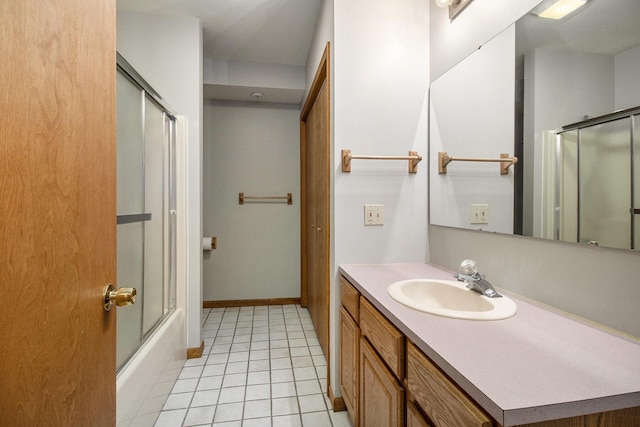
315, 182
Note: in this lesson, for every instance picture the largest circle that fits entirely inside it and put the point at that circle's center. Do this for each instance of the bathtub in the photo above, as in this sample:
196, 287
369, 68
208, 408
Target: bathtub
144, 383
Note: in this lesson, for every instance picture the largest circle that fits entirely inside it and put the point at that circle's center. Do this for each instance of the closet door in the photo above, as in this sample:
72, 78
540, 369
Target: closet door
315, 144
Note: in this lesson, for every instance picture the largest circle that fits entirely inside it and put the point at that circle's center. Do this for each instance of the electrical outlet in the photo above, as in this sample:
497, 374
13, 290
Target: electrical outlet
373, 214
479, 214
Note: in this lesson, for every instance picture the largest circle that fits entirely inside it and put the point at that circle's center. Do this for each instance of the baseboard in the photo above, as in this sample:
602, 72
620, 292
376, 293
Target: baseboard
195, 352
250, 302
336, 402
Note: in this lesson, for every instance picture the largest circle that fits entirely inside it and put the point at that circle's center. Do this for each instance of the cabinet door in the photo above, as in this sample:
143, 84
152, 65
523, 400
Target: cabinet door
381, 397
349, 355
414, 417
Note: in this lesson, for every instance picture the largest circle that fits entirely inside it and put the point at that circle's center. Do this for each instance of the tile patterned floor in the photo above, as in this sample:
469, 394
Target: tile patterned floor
262, 366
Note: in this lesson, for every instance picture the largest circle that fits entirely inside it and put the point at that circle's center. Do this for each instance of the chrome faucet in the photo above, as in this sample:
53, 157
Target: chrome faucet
475, 281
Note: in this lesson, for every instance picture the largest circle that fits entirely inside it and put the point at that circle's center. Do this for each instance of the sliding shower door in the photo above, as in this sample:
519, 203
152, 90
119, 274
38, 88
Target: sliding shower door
605, 184
146, 211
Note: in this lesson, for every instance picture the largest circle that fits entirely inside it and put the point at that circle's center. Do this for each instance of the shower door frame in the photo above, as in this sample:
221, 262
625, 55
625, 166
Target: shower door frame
633, 114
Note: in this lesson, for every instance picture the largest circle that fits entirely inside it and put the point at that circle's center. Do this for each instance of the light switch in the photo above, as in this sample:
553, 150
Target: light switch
373, 214
479, 214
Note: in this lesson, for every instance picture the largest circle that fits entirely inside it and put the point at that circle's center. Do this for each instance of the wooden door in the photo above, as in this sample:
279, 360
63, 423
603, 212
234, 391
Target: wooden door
58, 212
314, 147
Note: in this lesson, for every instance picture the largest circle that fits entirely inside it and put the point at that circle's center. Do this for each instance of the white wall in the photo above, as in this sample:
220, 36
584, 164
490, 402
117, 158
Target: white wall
627, 64
251, 148
480, 86
167, 52
379, 102
597, 283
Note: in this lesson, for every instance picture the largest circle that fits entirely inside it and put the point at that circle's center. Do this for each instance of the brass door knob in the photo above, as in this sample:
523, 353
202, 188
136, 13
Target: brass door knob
120, 297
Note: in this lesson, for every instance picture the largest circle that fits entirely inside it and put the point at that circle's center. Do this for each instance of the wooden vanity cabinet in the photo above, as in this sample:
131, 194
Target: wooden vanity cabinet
349, 347
372, 372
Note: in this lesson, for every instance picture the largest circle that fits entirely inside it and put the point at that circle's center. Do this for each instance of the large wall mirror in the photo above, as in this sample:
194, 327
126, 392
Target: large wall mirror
563, 97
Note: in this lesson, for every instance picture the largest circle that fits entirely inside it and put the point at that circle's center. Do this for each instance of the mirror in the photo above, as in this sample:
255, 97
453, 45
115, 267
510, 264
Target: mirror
560, 95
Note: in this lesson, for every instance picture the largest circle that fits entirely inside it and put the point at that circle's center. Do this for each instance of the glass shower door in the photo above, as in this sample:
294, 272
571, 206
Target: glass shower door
605, 184
146, 212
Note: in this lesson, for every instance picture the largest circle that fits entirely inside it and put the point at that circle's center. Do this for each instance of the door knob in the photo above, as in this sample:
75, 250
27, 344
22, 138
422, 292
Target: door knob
120, 297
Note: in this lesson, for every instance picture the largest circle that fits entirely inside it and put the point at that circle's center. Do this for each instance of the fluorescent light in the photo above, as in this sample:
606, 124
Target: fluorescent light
560, 8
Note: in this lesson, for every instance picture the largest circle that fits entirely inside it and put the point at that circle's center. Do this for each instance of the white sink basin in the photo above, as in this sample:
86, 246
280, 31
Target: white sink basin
450, 298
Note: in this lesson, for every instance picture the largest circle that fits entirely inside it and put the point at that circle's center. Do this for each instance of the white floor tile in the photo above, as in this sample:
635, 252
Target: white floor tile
205, 398
281, 363
287, 421
208, 383
258, 391
259, 365
229, 412
170, 418
308, 373
286, 389
182, 386
316, 419
312, 403
199, 416
308, 387
211, 370
257, 408
231, 394
177, 401
234, 380
284, 406
282, 375
262, 377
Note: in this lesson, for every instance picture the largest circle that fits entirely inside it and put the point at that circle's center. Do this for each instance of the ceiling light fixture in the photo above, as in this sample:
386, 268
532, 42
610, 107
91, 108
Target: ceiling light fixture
257, 95
446, 3
558, 9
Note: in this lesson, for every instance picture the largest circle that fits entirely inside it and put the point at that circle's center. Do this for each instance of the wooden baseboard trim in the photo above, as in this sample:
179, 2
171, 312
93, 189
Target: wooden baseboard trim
249, 302
196, 352
336, 402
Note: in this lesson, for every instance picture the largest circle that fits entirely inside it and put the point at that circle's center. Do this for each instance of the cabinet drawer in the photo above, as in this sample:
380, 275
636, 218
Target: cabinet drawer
383, 336
443, 402
350, 298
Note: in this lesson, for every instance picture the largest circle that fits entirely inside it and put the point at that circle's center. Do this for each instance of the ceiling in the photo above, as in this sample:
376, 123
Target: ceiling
267, 31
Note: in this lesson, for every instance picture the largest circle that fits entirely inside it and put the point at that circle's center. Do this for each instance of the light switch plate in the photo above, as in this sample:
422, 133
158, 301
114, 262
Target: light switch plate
479, 214
373, 214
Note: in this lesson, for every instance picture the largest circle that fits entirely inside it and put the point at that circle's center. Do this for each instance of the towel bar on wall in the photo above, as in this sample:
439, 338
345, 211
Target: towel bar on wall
265, 199
505, 161
414, 158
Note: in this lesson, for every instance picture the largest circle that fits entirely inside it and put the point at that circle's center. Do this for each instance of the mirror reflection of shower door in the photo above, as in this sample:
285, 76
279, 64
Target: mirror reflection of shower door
605, 184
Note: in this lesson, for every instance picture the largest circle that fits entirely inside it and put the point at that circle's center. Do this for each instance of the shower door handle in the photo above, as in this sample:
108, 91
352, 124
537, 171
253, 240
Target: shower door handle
635, 211
120, 297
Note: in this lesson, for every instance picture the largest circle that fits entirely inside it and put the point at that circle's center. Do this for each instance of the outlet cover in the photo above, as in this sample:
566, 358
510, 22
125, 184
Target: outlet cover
373, 214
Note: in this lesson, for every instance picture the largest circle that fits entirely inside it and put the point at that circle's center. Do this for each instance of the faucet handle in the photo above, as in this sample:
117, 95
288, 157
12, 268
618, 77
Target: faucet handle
468, 266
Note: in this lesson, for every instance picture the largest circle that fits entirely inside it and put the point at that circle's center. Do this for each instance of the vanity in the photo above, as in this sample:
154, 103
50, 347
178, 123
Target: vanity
400, 366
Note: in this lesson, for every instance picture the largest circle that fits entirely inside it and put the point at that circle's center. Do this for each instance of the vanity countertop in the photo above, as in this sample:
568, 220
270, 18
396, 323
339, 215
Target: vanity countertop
536, 366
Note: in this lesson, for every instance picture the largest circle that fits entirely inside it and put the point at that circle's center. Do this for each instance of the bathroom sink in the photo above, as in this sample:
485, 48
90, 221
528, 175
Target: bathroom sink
450, 298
